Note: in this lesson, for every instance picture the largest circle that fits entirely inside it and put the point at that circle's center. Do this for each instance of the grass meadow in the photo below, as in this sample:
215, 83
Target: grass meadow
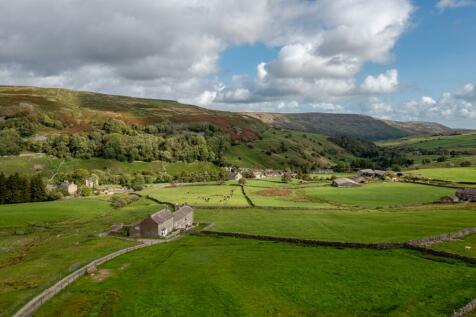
378, 194
199, 195
459, 246
348, 226
454, 174
42, 242
201, 276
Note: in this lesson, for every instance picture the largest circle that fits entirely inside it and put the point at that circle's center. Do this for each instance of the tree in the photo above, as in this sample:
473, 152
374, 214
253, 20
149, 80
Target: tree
11, 142
37, 189
242, 181
3, 188
287, 177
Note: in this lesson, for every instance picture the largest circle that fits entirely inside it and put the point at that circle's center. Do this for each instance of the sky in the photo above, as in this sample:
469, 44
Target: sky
393, 59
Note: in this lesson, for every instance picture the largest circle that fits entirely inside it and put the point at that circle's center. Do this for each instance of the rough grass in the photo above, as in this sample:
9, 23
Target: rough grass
455, 174
199, 195
42, 242
453, 142
378, 194
459, 246
200, 276
348, 226
299, 147
284, 197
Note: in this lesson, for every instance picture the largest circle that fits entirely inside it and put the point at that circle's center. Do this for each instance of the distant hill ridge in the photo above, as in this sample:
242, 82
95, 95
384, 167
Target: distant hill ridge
85, 109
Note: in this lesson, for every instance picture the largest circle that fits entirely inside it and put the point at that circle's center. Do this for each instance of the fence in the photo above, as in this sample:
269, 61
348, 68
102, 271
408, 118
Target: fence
336, 244
443, 237
47, 294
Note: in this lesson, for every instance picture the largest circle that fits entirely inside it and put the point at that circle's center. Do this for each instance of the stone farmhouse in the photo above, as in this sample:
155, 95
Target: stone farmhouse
69, 188
162, 223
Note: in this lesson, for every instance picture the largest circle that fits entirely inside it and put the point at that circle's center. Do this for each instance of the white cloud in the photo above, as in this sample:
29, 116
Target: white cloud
387, 82
171, 48
452, 4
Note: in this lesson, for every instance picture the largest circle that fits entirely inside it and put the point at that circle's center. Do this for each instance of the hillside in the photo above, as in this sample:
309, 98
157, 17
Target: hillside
82, 111
80, 125
420, 127
355, 125
70, 124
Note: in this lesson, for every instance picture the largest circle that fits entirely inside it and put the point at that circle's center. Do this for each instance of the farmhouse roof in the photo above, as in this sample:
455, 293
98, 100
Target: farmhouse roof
344, 180
161, 216
182, 212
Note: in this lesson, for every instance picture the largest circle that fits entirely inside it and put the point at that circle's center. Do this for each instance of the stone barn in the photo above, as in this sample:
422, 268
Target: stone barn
156, 225
466, 194
183, 218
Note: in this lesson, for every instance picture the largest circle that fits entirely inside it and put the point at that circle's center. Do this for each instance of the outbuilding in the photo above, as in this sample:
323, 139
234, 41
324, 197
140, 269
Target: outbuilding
344, 182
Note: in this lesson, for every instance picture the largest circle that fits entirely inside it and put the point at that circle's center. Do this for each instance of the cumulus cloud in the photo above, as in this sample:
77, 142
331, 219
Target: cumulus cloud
387, 82
451, 4
457, 109
171, 48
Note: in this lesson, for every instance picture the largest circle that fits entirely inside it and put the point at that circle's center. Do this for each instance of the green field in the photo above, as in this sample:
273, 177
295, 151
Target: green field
200, 276
41, 242
378, 194
455, 174
349, 226
199, 195
459, 246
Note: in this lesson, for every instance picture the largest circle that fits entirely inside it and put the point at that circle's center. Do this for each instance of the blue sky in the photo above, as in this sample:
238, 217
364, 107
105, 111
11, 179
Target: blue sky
436, 54
392, 59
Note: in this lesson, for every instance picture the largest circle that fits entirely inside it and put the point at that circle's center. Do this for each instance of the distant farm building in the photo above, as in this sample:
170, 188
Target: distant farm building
69, 188
466, 194
371, 173
163, 223
235, 176
344, 182
91, 182
449, 199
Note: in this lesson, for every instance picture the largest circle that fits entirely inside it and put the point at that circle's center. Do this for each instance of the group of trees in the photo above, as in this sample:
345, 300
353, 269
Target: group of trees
20, 189
369, 155
115, 139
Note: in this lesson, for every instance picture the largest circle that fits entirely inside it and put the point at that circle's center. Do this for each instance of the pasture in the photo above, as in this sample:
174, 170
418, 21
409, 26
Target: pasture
454, 174
459, 246
42, 242
199, 195
396, 225
449, 142
200, 276
378, 194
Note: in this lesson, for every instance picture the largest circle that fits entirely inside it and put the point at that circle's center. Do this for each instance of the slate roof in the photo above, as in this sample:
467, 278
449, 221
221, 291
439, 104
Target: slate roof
161, 216
182, 212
